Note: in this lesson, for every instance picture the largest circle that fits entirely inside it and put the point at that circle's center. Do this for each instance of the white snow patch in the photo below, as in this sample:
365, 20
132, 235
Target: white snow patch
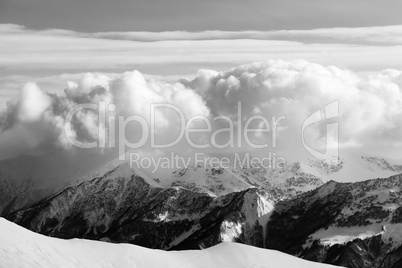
393, 233
326, 189
231, 231
341, 235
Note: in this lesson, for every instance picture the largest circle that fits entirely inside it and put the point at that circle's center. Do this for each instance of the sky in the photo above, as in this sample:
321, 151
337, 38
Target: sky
195, 15
204, 56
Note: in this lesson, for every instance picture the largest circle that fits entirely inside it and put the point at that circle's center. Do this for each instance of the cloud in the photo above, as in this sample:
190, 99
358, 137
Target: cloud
380, 35
34, 120
54, 56
370, 106
32, 103
54, 51
375, 35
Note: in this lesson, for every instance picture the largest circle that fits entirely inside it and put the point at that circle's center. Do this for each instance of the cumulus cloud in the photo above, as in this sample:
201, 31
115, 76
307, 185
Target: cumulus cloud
370, 107
32, 121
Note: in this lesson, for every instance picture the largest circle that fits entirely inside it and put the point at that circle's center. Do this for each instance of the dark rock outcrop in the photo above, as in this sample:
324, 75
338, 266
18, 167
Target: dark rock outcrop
347, 224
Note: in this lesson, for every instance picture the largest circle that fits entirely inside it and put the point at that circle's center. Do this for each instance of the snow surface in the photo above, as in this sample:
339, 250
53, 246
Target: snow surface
342, 235
215, 182
356, 167
22, 248
390, 233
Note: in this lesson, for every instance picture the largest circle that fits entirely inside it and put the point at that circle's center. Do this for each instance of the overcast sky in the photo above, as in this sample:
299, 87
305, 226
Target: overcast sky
82, 49
196, 15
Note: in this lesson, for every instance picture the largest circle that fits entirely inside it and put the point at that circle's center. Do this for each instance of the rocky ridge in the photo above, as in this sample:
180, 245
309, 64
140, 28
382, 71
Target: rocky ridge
347, 224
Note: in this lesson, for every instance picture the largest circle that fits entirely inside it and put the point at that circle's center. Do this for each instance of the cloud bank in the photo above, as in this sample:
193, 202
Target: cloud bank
370, 106
378, 35
53, 51
54, 56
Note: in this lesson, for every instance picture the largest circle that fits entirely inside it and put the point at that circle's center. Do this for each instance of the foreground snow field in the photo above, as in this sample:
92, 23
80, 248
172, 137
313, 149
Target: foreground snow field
20, 247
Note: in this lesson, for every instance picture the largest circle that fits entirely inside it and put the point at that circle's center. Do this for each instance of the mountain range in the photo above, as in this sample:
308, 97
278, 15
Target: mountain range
298, 208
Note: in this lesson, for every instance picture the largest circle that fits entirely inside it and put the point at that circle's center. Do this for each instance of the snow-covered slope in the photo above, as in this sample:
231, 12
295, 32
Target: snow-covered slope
22, 248
284, 182
353, 167
214, 181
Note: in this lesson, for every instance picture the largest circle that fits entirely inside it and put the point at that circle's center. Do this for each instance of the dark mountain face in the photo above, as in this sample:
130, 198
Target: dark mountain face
121, 207
352, 225
346, 224
130, 210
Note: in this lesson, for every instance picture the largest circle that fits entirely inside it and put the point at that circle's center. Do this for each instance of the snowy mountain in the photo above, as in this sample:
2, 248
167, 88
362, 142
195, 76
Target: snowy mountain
26, 180
22, 248
352, 167
288, 209
124, 207
283, 182
350, 224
